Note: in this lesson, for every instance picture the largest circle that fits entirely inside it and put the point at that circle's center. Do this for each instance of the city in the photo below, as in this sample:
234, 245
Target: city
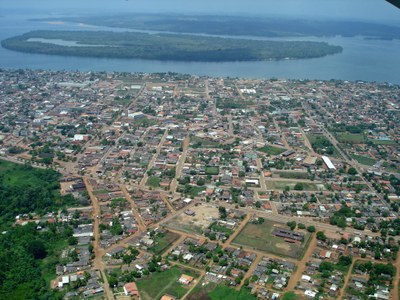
186, 185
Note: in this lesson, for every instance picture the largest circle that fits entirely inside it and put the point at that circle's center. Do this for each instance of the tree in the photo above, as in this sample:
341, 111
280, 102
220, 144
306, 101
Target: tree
311, 228
321, 236
345, 260
291, 224
72, 240
352, 171
299, 186
37, 249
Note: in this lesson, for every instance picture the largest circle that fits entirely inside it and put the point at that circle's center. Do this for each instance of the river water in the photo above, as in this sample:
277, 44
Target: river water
361, 59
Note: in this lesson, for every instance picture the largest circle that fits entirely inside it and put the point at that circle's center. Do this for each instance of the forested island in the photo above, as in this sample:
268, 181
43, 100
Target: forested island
177, 47
241, 26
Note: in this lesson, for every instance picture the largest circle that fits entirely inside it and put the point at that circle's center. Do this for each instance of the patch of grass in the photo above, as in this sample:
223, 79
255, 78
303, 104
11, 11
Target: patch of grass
153, 181
158, 284
163, 242
351, 138
212, 170
289, 296
384, 142
223, 292
280, 185
364, 160
293, 175
197, 142
260, 237
271, 150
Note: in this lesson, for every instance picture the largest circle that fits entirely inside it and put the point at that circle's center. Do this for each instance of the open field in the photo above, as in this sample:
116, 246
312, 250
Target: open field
163, 242
161, 283
280, 185
271, 150
213, 291
260, 237
364, 160
292, 175
196, 224
350, 138
384, 142
212, 170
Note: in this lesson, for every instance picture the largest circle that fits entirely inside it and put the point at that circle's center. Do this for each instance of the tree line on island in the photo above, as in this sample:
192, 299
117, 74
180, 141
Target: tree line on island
133, 45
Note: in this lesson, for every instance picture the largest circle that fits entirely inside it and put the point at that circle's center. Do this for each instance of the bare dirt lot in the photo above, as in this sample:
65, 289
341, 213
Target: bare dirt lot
204, 216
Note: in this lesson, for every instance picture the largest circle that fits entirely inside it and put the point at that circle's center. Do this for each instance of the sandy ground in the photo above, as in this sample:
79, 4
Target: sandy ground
204, 215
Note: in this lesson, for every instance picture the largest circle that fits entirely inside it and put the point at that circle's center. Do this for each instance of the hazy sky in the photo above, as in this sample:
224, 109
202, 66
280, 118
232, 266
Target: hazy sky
373, 10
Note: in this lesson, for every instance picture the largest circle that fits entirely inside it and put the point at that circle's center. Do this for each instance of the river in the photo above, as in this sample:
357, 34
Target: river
361, 59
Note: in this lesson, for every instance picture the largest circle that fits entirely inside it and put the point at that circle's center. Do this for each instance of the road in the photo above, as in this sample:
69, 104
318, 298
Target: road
301, 265
98, 252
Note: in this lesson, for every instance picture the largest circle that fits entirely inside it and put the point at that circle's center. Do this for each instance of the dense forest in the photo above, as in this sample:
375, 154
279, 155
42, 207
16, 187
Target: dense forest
164, 46
29, 253
242, 26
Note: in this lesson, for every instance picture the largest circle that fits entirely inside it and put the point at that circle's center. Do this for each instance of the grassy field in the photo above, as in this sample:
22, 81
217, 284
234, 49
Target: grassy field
293, 175
271, 150
163, 242
351, 138
213, 291
212, 170
364, 160
223, 292
280, 185
197, 142
159, 284
379, 142
290, 296
260, 237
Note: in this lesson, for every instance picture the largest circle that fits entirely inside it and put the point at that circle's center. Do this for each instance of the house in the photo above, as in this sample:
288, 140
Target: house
167, 297
185, 279
130, 289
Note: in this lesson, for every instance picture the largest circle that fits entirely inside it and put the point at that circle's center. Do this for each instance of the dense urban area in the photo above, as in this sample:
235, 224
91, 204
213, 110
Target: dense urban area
170, 186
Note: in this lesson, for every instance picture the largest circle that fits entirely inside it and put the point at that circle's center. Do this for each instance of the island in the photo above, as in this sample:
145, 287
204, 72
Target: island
163, 47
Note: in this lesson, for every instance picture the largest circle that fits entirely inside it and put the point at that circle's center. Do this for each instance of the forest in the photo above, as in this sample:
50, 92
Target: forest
29, 253
164, 47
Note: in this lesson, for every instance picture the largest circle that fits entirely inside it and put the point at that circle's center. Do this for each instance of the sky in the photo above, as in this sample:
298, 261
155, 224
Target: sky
367, 10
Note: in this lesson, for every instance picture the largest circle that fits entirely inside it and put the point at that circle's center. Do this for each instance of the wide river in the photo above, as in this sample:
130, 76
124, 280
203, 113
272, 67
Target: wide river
361, 59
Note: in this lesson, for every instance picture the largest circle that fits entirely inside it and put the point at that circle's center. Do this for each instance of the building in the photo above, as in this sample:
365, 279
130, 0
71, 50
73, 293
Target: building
168, 297
185, 279
130, 289
328, 163
288, 234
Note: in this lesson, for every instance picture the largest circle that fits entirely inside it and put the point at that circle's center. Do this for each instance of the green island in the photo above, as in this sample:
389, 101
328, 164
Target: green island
28, 256
164, 47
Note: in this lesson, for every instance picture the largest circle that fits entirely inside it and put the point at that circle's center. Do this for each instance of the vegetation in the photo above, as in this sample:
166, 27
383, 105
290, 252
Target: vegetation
160, 283
24, 189
27, 255
259, 236
163, 46
364, 160
271, 150
223, 292
322, 145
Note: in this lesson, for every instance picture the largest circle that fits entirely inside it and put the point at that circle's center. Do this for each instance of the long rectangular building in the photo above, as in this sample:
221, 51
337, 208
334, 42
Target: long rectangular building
328, 163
